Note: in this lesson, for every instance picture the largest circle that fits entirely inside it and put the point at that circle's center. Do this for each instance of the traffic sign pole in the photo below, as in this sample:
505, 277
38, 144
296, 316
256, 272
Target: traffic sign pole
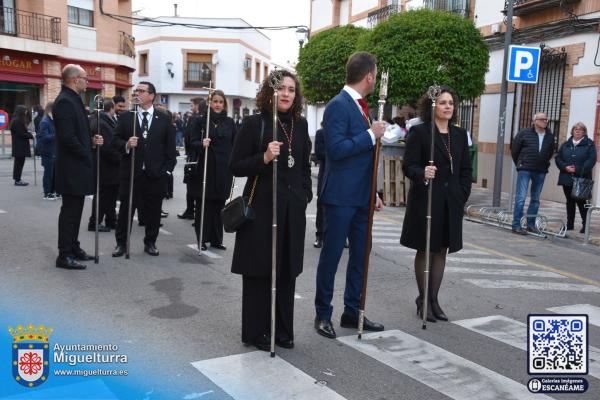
502, 118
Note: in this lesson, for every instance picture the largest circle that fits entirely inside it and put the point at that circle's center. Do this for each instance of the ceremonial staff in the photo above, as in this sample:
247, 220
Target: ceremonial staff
99, 104
33, 142
206, 135
275, 82
433, 92
372, 199
135, 102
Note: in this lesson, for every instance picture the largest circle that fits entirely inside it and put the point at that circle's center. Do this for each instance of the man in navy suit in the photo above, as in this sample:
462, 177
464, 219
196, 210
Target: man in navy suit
345, 192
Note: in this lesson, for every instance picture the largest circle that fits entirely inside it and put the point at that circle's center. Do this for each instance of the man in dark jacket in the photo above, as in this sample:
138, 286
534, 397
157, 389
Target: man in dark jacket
320, 155
74, 168
531, 151
155, 158
110, 159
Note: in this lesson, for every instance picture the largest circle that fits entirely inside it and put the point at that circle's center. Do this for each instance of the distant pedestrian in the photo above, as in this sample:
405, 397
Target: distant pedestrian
576, 158
46, 148
21, 147
531, 151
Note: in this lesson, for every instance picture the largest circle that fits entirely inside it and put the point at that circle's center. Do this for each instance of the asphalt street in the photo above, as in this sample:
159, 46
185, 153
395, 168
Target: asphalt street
177, 316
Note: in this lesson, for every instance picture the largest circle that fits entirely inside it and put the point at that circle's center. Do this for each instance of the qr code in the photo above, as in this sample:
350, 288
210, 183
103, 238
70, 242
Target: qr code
557, 344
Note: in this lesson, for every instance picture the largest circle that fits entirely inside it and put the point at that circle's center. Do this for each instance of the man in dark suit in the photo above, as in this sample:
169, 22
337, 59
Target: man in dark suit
155, 158
320, 155
74, 168
110, 158
345, 192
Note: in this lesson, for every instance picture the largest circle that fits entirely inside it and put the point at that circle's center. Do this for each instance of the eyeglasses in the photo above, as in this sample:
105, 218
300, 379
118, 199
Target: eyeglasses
542, 119
83, 77
140, 91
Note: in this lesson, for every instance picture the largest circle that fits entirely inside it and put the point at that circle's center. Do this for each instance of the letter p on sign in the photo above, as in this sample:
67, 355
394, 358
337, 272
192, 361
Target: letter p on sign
523, 64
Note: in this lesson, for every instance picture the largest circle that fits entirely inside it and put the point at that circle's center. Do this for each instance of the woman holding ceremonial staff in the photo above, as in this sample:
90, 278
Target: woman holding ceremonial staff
218, 146
450, 176
253, 157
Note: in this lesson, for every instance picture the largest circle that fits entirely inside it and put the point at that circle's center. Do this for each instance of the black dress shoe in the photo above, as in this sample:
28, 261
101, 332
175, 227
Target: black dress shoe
81, 255
285, 343
68, 262
163, 214
204, 247
350, 321
582, 230
119, 251
101, 228
263, 343
111, 225
437, 311
151, 249
21, 183
185, 215
219, 246
325, 328
318, 243
519, 231
430, 316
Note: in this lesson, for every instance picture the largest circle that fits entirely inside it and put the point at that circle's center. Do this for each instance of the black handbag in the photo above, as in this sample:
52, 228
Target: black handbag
582, 188
239, 210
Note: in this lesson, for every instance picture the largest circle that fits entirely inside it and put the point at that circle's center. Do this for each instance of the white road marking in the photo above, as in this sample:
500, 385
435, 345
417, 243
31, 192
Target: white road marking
397, 240
2, 212
510, 284
165, 232
387, 228
386, 234
401, 248
496, 261
206, 253
255, 375
502, 271
514, 333
593, 312
297, 296
437, 368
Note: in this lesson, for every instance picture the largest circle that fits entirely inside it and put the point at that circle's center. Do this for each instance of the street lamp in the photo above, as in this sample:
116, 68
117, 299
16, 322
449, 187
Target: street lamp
169, 66
302, 35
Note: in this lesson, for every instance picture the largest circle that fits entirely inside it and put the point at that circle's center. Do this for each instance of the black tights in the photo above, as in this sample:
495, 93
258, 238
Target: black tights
436, 272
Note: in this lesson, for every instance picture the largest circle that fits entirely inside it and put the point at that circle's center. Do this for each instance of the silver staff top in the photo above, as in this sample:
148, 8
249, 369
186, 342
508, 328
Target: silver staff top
434, 92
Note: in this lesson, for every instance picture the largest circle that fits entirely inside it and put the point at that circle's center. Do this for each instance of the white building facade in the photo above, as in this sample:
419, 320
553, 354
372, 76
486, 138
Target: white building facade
182, 61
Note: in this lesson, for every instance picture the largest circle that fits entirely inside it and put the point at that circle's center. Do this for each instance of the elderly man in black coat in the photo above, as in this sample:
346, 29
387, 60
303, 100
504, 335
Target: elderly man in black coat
74, 169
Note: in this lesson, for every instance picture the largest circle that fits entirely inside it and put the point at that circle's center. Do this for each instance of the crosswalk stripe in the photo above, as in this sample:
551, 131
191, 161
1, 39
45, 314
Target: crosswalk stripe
498, 261
437, 368
398, 248
593, 312
514, 333
2, 212
165, 232
510, 284
387, 228
386, 234
502, 271
396, 240
255, 375
206, 253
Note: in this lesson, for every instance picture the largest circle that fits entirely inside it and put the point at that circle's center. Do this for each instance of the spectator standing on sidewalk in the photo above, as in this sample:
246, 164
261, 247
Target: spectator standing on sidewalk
21, 148
531, 151
46, 148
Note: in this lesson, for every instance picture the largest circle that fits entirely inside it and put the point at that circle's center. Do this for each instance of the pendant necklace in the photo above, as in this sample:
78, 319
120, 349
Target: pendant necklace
289, 137
448, 147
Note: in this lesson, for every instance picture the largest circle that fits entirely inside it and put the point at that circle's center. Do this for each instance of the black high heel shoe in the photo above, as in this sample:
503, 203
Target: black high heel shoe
437, 311
430, 316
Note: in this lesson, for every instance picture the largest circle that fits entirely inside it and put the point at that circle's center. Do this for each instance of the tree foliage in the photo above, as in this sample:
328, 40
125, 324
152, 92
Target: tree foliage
414, 44
322, 62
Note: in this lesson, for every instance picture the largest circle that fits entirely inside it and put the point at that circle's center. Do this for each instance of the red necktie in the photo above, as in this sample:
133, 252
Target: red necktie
365, 108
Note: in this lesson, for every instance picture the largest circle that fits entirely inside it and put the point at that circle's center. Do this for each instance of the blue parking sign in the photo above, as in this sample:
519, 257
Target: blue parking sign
523, 64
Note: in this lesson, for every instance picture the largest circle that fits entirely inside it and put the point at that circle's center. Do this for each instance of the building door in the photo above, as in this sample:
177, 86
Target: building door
14, 94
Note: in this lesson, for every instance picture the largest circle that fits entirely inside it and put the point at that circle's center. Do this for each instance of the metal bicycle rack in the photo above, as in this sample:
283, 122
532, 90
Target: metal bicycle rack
502, 218
588, 221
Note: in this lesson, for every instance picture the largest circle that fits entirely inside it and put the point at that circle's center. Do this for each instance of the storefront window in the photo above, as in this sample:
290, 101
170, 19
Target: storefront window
13, 94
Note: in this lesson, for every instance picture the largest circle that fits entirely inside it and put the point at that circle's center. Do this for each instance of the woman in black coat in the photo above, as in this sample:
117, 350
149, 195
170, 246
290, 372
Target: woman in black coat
218, 177
21, 147
252, 157
576, 158
451, 179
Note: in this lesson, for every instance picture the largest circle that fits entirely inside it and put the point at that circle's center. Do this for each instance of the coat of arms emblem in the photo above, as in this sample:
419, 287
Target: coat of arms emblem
30, 354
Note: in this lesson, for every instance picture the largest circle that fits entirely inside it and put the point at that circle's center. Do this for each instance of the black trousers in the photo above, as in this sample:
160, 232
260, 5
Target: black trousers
108, 205
213, 223
571, 208
190, 201
256, 307
147, 196
319, 221
18, 168
68, 224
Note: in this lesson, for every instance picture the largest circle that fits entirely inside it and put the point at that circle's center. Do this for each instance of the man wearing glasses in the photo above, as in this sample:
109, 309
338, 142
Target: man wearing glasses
155, 158
532, 150
74, 170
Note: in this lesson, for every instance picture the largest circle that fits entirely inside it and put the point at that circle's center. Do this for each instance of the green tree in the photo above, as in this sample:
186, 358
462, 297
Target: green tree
322, 62
422, 47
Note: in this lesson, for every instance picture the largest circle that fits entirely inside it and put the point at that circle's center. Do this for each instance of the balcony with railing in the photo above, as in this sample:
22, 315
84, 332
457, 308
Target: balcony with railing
127, 44
198, 77
382, 14
523, 7
29, 25
459, 7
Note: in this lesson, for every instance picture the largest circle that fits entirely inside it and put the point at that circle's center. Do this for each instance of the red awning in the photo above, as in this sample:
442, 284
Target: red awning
94, 85
38, 80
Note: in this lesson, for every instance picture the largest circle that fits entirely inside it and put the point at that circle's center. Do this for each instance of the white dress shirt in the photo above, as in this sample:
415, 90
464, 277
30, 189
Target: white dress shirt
356, 96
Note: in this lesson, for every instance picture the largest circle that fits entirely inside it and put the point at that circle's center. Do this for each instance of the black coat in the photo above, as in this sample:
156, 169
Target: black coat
74, 166
450, 190
526, 154
320, 154
218, 175
582, 156
20, 139
110, 158
252, 253
157, 153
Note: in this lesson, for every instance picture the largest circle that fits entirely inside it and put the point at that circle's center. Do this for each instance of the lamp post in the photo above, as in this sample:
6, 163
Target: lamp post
301, 35
169, 66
